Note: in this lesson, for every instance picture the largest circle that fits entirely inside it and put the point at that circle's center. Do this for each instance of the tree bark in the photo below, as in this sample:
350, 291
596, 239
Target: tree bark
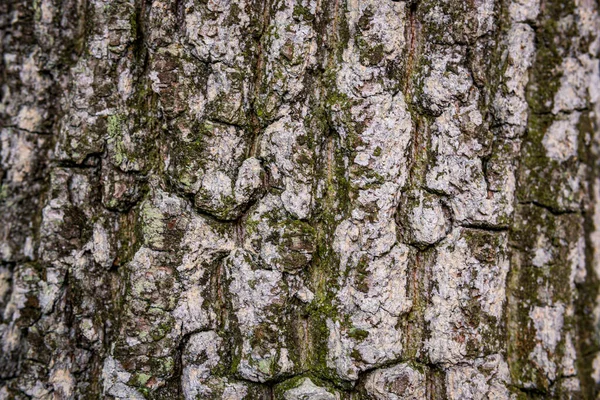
300, 199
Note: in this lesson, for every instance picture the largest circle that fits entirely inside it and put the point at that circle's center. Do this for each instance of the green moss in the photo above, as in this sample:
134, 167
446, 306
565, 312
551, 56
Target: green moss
292, 383
544, 180
355, 355
161, 330
358, 334
233, 18
281, 388
370, 55
552, 42
526, 280
302, 13
133, 23
320, 310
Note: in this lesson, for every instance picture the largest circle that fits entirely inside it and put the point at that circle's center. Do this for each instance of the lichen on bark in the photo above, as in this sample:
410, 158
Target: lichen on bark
299, 199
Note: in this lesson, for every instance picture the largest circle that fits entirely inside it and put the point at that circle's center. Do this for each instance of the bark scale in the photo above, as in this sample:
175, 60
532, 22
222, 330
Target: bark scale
299, 199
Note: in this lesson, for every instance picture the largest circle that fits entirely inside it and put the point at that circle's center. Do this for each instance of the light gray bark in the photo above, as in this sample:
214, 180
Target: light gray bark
299, 199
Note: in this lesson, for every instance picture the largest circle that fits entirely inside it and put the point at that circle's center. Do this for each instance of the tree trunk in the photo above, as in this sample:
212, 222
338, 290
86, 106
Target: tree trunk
300, 199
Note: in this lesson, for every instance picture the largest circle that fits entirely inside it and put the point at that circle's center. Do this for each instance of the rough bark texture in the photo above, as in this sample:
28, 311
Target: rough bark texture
299, 199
